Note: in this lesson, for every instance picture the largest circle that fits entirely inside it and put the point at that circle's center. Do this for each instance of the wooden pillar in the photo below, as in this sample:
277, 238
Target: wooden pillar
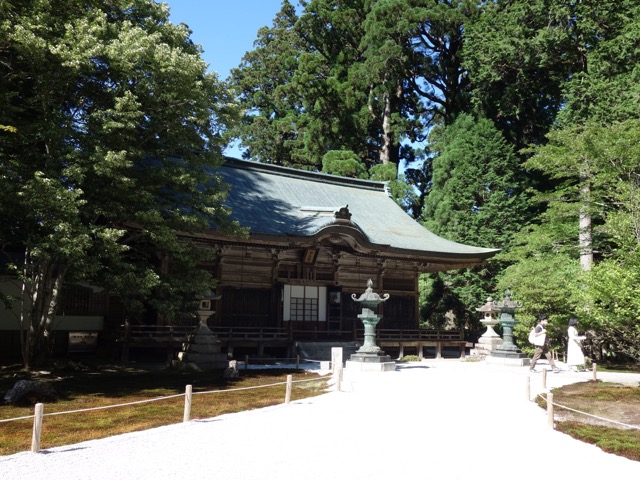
416, 299
420, 351
438, 350
124, 354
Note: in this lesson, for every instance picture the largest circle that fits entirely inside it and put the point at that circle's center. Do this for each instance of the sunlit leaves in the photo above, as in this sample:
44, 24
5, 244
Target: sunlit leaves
117, 127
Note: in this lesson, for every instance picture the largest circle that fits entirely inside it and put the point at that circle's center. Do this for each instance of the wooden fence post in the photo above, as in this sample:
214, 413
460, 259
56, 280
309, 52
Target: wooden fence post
37, 428
528, 387
595, 371
544, 378
550, 409
287, 396
187, 403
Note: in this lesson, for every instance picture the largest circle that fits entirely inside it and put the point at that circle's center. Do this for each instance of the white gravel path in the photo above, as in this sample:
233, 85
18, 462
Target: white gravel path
439, 419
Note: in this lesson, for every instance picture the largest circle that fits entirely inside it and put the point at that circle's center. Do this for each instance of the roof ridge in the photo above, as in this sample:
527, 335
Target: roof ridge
304, 174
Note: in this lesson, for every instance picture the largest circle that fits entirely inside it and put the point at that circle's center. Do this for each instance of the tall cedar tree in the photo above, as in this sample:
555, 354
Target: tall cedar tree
270, 129
477, 198
334, 116
367, 76
519, 55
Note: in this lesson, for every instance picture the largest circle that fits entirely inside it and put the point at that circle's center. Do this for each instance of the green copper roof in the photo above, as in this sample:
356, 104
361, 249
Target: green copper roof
273, 200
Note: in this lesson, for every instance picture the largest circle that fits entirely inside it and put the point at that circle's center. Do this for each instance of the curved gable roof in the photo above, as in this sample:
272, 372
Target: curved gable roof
279, 201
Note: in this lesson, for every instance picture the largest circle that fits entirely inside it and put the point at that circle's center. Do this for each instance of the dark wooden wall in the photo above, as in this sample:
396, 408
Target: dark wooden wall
250, 280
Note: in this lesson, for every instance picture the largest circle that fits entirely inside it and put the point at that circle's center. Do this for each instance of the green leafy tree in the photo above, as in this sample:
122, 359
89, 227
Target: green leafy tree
382, 73
118, 126
360, 75
592, 160
570, 65
545, 281
294, 87
412, 68
476, 198
438, 303
605, 86
344, 163
611, 152
270, 127
335, 105
519, 54
400, 190
610, 307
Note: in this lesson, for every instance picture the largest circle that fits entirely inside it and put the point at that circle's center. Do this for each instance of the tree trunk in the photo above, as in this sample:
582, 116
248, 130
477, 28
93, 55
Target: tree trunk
585, 241
41, 286
389, 148
387, 134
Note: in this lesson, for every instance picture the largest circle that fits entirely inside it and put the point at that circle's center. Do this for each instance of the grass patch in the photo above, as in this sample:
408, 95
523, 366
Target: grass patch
118, 385
625, 443
612, 401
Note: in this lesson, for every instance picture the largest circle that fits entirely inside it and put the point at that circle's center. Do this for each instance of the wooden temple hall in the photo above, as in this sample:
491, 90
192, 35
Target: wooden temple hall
315, 240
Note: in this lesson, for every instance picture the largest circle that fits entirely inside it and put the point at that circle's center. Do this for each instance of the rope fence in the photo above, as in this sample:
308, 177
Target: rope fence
548, 398
39, 414
275, 361
551, 404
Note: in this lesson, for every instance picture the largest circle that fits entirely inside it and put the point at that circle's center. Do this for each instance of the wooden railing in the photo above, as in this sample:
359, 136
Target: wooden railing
167, 334
172, 337
419, 335
251, 333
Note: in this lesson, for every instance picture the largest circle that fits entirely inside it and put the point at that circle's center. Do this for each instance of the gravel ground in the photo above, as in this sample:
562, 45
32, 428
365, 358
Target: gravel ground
437, 419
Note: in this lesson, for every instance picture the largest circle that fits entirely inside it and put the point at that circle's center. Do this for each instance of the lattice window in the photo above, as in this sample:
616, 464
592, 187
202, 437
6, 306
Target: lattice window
304, 309
305, 303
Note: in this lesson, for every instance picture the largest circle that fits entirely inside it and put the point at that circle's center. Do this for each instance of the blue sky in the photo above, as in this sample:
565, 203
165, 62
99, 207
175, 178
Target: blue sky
226, 29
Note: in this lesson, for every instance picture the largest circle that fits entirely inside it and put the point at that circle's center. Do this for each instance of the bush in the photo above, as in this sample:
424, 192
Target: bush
410, 358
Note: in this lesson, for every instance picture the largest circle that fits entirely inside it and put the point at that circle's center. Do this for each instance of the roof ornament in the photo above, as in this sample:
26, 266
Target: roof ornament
343, 215
369, 298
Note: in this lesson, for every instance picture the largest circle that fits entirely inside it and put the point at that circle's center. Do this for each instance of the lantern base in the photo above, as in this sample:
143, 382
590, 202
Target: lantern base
370, 362
516, 359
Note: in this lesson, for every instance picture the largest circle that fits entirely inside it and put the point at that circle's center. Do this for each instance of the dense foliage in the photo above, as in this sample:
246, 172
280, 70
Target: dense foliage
115, 126
523, 115
509, 124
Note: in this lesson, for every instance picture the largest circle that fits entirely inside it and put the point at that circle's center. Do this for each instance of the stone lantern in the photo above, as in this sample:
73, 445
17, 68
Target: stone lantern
369, 357
202, 349
508, 352
489, 340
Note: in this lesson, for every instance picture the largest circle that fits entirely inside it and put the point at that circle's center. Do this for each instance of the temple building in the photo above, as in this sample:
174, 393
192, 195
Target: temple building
314, 240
